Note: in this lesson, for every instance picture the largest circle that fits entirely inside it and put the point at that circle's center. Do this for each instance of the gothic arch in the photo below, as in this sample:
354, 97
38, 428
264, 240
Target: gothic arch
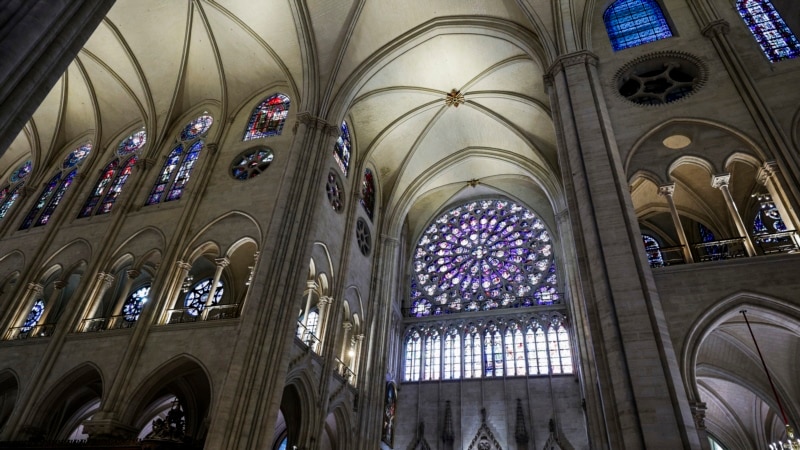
143, 241
9, 391
218, 230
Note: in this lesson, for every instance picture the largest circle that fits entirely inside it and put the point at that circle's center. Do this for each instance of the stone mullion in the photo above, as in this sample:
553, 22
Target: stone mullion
267, 328
668, 192
372, 388
643, 392
769, 128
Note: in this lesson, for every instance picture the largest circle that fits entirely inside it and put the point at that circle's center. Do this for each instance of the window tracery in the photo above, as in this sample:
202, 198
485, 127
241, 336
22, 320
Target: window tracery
483, 255
135, 303
368, 193
197, 298
33, 316
769, 29
653, 250
11, 192
635, 22
268, 118
170, 185
251, 163
413, 354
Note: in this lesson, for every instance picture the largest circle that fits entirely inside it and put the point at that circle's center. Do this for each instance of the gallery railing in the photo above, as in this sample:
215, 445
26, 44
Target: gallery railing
719, 250
783, 242
307, 337
214, 312
666, 256
35, 331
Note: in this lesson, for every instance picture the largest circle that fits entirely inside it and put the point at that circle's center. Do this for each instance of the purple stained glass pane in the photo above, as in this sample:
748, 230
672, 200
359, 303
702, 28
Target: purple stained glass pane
465, 260
635, 22
341, 149
116, 187
56, 199
99, 189
132, 143
8, 199
22, 171
197, 127
77, 156
41, 202
184, 172
768, 27
166, 174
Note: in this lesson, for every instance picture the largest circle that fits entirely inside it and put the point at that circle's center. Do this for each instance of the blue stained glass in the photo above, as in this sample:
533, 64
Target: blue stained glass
22, 171
758, 225
197, 127
40, 204
768, 27
33, 316
77, 156
706, 235
184, 172
268, 118
341, 149
284, 443
56, 199
132, 143
166, 173
635, 22
653, 250
135, 303
197, 298
482, 255
8, 199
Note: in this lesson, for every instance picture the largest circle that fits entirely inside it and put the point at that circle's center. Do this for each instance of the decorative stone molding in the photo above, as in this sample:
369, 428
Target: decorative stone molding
213, 148
682, 74
316, 123
666, 190
699, 414
716, 28
720, 180
581, 57
767, 171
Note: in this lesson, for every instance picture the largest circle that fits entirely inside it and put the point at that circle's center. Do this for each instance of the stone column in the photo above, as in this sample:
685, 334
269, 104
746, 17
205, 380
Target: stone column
311, 286
322, 307
699, 415
721, 182
668, 191
768, 176
637, 372
345, 345
50, 303
102, 283
222, 263
355, 359
38, 40
132, 274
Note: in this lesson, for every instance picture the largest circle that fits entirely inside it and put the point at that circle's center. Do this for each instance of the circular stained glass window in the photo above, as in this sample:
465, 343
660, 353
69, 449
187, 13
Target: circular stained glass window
483, 255
22, 171
132, 143
334, 190
197, 127
77, 156
660, 78
251, 163
363, 237
33, 316
197, 298
135, 303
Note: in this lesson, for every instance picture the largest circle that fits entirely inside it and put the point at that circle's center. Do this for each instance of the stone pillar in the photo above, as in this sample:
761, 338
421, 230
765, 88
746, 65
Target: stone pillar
668, 191
345, 345
322, 307
132, 274
699, 415
311, 286
50, 303
222, 263
38, 40
721, 182
355, 359
102, 284
638, 377
32, 291
769, 176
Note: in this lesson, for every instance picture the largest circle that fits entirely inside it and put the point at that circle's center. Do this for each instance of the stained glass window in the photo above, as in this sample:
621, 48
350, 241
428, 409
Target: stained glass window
197, 298
653, 250
56, 199
51, 196
135, 303
472, 353
284, 443
33, 316
768, 218
51, 186
768, 27
560, 354
341, 149
308, 334
116, 188
184, 172
368, 193
197, 128
99, 189
706, 235
132, 143
8, 198
268, 118
515, 351
413, 354
251, 163
635, 22
166, 174
21, 172
77, 156
452, 355
433, 350
493, 352
537, 351
483, 255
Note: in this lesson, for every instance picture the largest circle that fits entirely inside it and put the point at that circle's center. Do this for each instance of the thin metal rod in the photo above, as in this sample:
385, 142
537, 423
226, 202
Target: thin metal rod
771, 384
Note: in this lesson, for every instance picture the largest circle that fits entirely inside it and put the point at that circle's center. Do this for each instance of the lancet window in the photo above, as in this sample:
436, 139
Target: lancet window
109, 187
413, 356
342, 147
769, 29
56, 189
178, 167
653, 250
11, 192
268, 118
635, 22
368, 193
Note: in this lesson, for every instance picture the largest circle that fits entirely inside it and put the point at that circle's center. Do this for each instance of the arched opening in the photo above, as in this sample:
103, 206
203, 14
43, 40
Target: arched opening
9, 390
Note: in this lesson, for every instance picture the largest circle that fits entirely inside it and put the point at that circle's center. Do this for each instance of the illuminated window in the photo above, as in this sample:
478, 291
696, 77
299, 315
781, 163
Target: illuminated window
12, 191
341, 149
197, 298
33, 316
635, 22
560, 353
536, 344
432, 356
108, 188
413, 355
177, 169
268, 118
653, 250
472, 353
493, 352
134, 304
452, 355
772, 34
514, 351
368, 193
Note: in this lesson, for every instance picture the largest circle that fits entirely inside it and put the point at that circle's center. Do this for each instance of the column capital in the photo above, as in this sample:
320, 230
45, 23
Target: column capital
358, 337
581, 57
222, 262
318, 123
183, 265
347, 325
104, 277
768, 170
325, 300
666, 190
36, 288
720, 180
133, 273
698, 414
716, 28
59, 284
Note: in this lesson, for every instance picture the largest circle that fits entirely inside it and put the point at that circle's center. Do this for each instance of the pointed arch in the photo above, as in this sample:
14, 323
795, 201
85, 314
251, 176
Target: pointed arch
776, 40
635, 22
268, 117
